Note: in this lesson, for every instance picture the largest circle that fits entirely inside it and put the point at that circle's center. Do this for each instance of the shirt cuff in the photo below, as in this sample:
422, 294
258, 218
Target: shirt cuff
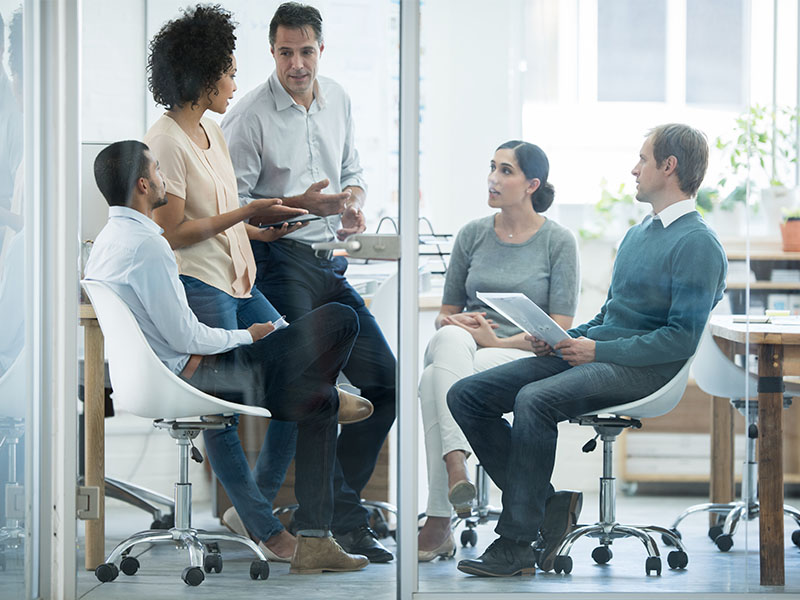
242, 337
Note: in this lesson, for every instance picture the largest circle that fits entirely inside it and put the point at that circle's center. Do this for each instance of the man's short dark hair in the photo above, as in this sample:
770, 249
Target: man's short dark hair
689, 146
117, 169
295, 16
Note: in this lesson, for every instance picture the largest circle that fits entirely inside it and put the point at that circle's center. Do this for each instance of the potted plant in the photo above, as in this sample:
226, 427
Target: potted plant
614, 213
762, 151
790, 231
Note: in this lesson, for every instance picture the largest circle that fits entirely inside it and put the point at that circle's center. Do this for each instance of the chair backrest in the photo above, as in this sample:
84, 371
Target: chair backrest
142, 384
656, 404
384, 308
13, 399
716, 374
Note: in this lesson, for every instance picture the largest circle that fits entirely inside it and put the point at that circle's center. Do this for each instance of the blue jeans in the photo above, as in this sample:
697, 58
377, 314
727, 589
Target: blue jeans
296, 282
541, 392
215, 308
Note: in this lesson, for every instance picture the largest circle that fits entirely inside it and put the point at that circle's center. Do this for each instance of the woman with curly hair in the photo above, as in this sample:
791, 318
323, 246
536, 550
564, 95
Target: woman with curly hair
192, 70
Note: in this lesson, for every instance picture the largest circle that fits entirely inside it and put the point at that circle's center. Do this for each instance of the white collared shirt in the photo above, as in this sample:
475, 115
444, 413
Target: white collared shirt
673, 212
132, 257
279, 148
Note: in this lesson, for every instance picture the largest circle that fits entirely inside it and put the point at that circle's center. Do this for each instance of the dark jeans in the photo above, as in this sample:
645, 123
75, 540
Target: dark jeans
215, 308
291, 373
295, 281
541, 392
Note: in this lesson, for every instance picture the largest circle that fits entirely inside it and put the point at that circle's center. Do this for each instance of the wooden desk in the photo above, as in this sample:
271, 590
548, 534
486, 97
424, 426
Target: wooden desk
94, 445
778, 349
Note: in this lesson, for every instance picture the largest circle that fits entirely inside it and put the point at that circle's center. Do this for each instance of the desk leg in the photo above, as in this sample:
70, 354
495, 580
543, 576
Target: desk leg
721, 487
770, 467
94, 415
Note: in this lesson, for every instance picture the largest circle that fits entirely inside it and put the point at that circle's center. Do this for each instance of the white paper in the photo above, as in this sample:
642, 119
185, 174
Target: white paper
525, 314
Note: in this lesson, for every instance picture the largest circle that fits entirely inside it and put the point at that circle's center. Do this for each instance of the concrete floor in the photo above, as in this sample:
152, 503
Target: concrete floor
709, 571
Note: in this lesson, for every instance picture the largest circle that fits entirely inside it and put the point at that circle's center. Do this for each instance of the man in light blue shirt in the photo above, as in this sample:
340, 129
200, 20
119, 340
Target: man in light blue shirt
292, 138
290, 371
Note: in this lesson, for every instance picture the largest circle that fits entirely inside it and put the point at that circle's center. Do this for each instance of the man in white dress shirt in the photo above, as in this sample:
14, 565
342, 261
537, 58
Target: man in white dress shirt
290, 371
292, 138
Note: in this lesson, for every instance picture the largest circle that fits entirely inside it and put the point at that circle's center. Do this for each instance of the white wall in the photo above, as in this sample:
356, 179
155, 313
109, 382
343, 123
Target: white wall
471, 103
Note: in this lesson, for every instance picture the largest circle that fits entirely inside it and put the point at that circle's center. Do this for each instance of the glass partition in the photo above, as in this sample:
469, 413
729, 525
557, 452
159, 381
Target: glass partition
15, 349
587, 81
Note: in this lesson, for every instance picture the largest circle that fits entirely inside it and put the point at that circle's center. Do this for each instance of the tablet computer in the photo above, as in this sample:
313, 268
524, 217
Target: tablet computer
293, 220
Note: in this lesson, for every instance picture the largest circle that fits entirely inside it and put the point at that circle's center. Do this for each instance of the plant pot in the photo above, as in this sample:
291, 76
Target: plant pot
790, 232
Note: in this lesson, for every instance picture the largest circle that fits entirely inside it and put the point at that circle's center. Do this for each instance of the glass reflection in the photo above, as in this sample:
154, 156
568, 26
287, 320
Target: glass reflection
12, 333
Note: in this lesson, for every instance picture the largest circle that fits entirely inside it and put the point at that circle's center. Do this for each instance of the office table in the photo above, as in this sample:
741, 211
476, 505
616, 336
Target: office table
94, 428
778, 350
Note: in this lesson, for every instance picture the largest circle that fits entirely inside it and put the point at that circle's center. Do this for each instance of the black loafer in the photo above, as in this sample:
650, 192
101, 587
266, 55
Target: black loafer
561, 514
364, 541
503, 558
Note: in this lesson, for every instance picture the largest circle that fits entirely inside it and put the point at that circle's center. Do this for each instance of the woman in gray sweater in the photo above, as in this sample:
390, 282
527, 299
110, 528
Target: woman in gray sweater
514, 250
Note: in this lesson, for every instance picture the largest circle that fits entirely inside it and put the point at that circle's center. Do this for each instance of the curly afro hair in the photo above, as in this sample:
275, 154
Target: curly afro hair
190, 54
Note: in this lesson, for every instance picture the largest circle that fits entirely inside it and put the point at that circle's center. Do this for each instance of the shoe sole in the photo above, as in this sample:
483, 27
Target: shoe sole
325, 570
461, 496
527, 571
575, 505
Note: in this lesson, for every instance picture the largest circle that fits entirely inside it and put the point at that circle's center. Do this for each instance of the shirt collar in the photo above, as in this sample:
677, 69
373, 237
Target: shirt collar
120, 212
673, 212
284, 100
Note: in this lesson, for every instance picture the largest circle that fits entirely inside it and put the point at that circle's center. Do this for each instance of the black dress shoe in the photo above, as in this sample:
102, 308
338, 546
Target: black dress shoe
561, 514
362, 540
503, 558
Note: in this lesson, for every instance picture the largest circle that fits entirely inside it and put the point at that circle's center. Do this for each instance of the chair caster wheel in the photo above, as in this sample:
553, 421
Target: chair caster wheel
602, 554
796, 537
193, 576
212, 562
106, 572
129, 565
165, 522
724, 542
563, 564
668, 540
469, 536
259, 569
677, 559
653, 563
714, 532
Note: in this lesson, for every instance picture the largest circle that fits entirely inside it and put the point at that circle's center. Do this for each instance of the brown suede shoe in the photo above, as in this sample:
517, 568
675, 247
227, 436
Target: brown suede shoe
320, 554
352, 407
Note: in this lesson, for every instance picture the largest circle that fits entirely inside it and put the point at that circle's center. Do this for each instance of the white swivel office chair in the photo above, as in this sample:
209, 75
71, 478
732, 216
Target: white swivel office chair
144, 386
13, 406
718, 376
609, 423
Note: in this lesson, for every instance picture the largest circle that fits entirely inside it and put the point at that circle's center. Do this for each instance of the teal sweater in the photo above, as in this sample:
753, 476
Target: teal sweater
664, 284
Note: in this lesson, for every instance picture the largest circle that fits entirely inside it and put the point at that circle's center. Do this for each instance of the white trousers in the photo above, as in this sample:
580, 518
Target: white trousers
452, 354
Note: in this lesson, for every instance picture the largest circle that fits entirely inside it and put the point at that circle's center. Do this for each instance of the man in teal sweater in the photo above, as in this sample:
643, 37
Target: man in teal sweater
668, 275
